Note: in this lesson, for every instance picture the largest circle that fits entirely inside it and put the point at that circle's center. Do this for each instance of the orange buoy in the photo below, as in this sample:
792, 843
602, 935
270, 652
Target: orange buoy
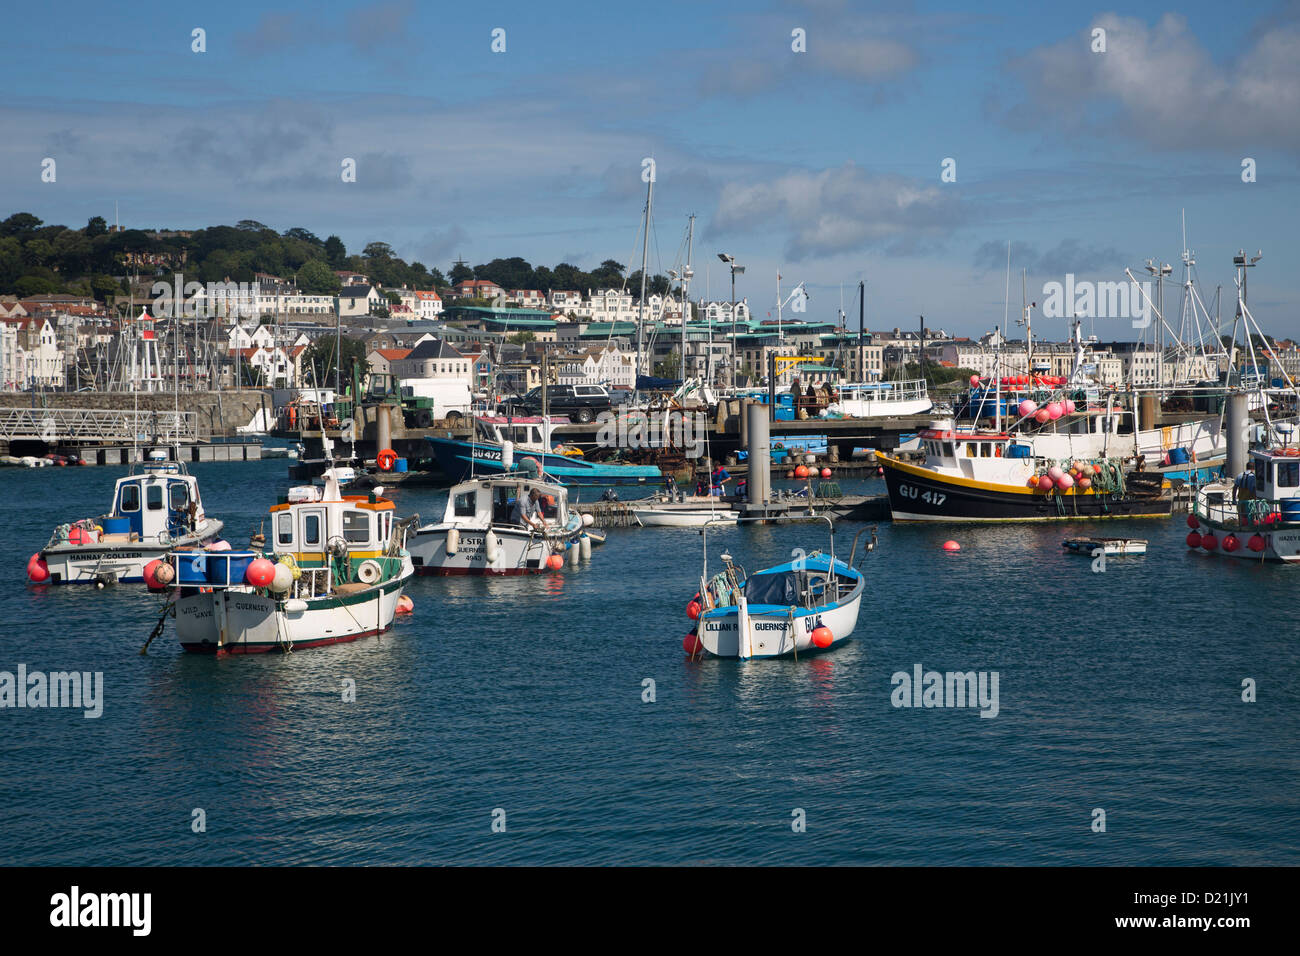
693, 610
555, 562
951, 546
801, 471
823, 637
386, 459
405, 605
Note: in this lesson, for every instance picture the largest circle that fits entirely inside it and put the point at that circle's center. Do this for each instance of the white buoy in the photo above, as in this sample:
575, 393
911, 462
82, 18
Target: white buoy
453, 540
283, 579
574, 554
493, 548
507, 456
588, 520
584, 543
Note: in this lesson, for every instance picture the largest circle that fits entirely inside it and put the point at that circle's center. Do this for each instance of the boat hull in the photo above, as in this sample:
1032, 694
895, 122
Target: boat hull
772, 633
918, 494
517, 552
681, 518
241, 621
461, 460
122, 563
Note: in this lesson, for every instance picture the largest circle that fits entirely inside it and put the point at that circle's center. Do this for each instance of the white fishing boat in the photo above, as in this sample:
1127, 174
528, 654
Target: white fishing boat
663, 510
334, 573
480, 533
797, 607
1255, 516
157, 507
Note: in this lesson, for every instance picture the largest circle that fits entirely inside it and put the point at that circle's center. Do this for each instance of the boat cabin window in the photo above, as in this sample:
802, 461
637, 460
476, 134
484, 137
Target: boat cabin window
153, 497
948, 450
1288, 474
311, 529
180, 495
970, 449
130, 497
356, 527
284, 529
1261, 471
464, 505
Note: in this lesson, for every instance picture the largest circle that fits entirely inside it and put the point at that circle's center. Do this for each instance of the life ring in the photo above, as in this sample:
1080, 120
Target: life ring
386, 459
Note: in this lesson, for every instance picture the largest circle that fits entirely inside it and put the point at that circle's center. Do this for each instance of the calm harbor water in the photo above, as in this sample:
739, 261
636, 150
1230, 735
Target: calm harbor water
1118, 690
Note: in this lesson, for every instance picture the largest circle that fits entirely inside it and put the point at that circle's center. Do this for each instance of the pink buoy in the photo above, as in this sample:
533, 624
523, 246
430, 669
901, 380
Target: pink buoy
1085, 482
1055, 472
974, 381
1027, 408
1069, 406
951, 546
1054, 410
1065, 482
1042, 417
1045, 483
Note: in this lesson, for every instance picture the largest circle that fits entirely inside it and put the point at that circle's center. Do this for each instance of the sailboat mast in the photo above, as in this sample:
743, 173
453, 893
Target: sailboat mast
686, 285
645, 257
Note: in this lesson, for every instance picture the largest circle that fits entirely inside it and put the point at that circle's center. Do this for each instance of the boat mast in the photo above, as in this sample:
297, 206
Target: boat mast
686, 285
862, 326
645, 256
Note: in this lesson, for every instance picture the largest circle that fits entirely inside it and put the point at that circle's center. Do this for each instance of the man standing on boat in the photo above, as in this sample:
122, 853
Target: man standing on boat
528, 511
720, 478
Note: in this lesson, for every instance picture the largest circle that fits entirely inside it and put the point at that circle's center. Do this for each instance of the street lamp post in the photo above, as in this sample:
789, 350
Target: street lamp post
731, 264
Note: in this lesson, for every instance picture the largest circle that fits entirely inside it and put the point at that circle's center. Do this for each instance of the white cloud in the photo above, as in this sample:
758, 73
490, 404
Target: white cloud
1159, 83
836, 210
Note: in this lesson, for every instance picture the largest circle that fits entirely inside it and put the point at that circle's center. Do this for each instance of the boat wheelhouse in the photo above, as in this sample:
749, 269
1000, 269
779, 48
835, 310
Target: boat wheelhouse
881, 399
1256, 516
334, 572
480, 533
157, 507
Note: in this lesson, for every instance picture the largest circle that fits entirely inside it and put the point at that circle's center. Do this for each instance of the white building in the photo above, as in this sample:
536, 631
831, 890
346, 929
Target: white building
609, 367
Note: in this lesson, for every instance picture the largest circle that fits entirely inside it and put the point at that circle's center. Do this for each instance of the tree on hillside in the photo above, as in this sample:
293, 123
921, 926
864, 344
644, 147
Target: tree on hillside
335, 252
317, 278
461, 273
96, 226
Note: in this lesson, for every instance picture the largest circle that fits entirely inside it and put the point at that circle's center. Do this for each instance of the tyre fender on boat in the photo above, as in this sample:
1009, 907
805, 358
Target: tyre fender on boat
386, 459
370, 572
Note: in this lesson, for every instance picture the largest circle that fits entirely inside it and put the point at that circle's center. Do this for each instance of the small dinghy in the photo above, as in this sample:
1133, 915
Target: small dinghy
807, 604
1111, 547
155, 508
482, 533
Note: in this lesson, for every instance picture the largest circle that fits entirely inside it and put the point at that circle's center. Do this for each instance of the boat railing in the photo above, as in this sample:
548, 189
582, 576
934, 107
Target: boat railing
314, 582
1244, 513
885, 391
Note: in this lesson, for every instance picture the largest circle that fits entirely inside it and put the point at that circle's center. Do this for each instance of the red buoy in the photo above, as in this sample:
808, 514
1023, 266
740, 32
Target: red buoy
1208, 541
1193, 539
823, 637
826, 472
801, 471
693, 610
37, 569
260, 573
1192, 522
149, 569
1231, 543
1256, 543
692, 644
951, 546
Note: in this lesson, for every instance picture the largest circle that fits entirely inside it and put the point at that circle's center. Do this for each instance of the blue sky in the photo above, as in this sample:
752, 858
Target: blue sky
824, 165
